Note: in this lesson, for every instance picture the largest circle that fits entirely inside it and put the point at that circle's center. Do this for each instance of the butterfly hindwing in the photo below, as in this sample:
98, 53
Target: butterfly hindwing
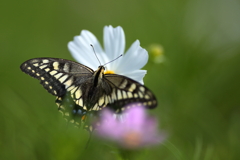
70, 110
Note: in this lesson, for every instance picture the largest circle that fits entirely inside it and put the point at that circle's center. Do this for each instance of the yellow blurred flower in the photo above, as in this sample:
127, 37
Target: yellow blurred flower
156, 53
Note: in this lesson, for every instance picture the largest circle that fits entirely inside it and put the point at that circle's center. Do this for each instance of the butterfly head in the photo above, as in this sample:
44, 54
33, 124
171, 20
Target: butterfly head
101, 69
104, 70
99, 73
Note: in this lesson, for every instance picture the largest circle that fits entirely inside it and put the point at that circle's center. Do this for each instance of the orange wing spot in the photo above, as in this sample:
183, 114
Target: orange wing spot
84, 117
109, 72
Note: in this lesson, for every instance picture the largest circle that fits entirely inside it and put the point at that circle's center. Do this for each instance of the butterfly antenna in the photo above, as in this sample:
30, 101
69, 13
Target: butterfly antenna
113, 59
95, 53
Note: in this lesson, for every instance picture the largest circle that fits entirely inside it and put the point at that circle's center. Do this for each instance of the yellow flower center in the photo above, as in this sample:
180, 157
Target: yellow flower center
109, 72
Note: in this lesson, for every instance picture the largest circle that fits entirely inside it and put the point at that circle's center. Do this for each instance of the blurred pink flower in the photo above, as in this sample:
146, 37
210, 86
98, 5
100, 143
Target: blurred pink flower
132, 129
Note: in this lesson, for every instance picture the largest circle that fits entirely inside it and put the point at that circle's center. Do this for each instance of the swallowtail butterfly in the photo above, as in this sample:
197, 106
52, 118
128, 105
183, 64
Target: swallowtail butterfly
80, 90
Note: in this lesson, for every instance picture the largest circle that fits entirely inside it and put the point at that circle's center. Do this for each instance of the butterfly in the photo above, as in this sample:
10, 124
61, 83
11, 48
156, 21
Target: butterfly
80, 90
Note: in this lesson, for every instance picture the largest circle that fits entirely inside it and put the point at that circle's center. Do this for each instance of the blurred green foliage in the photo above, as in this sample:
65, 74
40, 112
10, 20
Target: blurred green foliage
197, 85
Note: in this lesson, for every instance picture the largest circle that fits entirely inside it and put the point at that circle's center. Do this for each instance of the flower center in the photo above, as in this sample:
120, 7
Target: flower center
109, 72
132, 139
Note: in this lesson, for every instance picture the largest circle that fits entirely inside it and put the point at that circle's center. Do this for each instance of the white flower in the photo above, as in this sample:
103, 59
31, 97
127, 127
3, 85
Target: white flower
128, 65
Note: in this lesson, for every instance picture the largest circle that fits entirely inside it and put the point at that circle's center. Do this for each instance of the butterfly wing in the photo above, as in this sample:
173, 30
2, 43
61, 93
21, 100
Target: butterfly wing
126, 91
62, 78
56, 75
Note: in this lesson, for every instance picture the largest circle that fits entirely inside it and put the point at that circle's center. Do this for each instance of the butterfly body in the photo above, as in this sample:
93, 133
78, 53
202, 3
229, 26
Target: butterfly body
89, 90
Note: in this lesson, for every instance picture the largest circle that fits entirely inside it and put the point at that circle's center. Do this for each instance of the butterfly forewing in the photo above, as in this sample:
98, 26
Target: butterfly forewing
56, 75
59, 77
128, 91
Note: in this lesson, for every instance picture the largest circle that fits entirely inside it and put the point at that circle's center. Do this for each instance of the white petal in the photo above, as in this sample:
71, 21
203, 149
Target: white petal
114, 42
135, 58
136, 75
82, 51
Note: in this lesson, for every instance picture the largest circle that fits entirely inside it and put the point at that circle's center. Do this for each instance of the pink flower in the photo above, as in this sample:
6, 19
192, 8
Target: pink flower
132, 129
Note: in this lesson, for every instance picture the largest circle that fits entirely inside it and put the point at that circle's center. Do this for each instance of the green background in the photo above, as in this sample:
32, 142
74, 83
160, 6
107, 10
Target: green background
197, 85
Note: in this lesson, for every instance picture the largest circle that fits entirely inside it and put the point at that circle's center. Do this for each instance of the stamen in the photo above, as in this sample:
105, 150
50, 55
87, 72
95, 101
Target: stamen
109, 72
